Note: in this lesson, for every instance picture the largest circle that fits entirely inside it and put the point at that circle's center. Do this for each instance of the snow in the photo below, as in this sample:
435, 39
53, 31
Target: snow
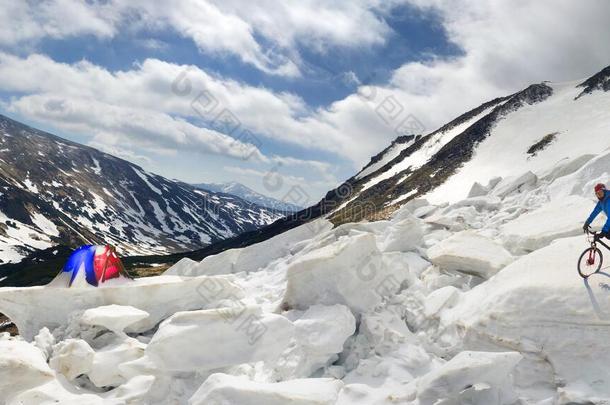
471, 376
470, 252
96, 166
226, 389
44, 224
22, 366
581, 126
145, 178
72, 357
401, 198
390, 155
241, 335
540, 305
349, 271
33, 308
30, 186
113, 317
16, 235
556, 219
160, 215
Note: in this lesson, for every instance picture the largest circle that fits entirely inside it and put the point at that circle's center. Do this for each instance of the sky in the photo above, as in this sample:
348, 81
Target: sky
288, 97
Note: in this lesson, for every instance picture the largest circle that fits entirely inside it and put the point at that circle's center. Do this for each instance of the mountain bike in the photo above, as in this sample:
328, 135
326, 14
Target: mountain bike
590, 261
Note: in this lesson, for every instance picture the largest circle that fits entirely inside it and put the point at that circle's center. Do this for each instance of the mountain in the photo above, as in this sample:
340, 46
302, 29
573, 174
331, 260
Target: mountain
544, 123
57, 192
246, 193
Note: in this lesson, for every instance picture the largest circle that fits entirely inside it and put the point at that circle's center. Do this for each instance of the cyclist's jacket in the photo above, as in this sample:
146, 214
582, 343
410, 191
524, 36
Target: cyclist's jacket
603, 205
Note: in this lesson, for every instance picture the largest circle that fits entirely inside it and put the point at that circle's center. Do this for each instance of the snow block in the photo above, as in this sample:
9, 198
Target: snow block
349, 271
470, 253
210, 339
489, 371
113, 317
32, 308
439, 299
22, 366
566, 167
321, 332
412, 205
105, 370
403, 236
227, 389
480, 203
557, 219
513, 184
424, 211
582, 181
477, 190
72, 357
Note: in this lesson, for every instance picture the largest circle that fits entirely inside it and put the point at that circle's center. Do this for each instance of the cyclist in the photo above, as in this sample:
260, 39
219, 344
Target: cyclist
603, 204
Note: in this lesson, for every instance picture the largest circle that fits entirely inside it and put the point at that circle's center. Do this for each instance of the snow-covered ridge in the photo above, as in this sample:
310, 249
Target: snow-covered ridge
53, 191
489, 141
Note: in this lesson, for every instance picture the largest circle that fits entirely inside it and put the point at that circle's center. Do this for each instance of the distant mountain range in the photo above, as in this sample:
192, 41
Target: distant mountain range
57, 192
246, 193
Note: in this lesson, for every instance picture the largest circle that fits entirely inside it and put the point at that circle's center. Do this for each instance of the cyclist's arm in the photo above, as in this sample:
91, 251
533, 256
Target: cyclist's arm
594, 214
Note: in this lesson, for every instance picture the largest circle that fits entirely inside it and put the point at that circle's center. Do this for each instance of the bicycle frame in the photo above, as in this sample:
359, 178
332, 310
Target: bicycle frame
597, 240
594, 241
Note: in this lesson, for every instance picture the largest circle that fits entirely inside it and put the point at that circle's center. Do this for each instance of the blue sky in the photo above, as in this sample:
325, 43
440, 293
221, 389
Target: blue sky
290, 75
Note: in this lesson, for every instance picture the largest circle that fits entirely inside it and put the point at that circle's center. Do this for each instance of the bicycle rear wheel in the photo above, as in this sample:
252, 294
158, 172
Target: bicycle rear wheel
590, 262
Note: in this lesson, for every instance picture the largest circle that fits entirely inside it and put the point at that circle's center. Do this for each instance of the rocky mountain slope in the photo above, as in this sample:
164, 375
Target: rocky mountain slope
54, 191
246, 193
490, 141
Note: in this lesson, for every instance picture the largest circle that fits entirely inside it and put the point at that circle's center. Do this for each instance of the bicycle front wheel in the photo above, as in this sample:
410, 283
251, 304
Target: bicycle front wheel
590, 262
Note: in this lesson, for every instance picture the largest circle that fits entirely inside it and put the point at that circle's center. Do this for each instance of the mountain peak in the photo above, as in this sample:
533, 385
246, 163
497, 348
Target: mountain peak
246, 193
599, 81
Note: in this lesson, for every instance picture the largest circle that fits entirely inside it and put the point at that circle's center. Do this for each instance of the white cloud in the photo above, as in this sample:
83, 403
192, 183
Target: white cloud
140, 106
265, 34
506, 46
23, 21
130, 127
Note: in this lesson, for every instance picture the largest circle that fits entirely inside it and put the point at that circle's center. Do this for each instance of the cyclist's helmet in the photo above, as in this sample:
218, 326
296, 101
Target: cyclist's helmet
599, 187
